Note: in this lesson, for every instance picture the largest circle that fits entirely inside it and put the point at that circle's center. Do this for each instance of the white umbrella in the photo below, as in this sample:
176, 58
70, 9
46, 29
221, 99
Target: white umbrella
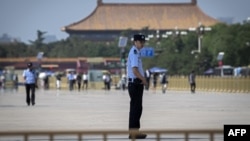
157, 70
42, 75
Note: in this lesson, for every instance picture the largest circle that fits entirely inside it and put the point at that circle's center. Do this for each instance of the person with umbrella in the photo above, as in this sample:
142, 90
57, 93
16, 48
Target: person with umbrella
156, 71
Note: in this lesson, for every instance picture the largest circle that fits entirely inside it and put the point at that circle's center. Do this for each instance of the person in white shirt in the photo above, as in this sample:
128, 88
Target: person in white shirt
85, 81
58, 81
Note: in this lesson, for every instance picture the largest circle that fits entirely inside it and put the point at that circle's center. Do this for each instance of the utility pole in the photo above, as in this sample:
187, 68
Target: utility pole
122, 44
200, 30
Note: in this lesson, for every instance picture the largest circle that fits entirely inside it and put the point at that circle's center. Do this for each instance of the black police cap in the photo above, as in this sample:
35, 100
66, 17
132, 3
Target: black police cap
29, 64
139, 37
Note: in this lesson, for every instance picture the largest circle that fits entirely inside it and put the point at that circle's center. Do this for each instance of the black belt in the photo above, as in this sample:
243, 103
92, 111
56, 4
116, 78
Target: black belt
134, 80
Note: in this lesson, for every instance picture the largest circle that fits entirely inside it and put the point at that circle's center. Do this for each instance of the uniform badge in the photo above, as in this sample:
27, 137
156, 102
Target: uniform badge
135, 51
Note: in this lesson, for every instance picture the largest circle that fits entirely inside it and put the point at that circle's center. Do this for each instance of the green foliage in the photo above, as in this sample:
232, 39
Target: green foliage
173, 53
15, 50
39, 41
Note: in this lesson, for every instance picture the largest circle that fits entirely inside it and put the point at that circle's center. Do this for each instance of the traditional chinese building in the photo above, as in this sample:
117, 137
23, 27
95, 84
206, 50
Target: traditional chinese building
80, 64
108, 20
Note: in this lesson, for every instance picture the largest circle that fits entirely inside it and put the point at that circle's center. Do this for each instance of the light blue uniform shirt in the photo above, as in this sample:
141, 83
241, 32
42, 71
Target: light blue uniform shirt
30, 76
70, 76
134, 60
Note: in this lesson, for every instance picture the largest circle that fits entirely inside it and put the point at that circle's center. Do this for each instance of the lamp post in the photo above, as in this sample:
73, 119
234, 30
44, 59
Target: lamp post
158, 36
200, 30
176, 37
220, 63
175, 32
156, 41
122, 44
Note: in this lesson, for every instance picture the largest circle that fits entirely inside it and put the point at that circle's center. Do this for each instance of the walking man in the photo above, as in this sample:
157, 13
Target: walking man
58, 81
70, 78
147, 75
30, 78
79, 81
85, 80
164, 83
192, 83
136, 82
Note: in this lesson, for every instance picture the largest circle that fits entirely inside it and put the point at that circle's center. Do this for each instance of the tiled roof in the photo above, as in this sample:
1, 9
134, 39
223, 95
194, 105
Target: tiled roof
160, 16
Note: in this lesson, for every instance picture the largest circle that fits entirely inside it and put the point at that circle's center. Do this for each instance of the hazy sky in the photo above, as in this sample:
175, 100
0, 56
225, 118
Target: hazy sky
22, 18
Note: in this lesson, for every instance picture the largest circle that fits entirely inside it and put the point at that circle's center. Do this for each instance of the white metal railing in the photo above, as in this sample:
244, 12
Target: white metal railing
79, 135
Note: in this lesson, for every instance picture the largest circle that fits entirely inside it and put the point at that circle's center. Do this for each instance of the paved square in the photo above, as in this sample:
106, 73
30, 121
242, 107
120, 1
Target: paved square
108, 110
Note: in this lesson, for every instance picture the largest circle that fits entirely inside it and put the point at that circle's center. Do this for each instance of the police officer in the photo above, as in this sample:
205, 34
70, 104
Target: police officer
30, 78
136, 82
70, 77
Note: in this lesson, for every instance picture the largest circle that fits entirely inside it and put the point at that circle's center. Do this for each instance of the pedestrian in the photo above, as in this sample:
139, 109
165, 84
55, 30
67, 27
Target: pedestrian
70, 78
191, 80
79, 81
2, 81
155, 76
136, 82
123, 82
104, 80
85, 80
15, 80
30, 78
42, 76
74, 80
58, 81
46, 82
164, 82
108, 81
147, 75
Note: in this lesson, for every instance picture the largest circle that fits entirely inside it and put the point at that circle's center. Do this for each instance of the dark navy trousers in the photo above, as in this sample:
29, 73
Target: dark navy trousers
136, 94
30, 88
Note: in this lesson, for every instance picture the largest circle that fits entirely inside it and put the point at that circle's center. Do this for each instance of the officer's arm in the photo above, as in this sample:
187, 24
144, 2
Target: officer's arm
138, 75
24, 75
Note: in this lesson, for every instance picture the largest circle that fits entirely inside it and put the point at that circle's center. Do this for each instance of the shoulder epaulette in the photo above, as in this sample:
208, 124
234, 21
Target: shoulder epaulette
135, 51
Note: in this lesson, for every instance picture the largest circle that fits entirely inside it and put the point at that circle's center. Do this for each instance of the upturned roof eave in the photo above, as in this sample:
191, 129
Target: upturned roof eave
64, 28
72, 27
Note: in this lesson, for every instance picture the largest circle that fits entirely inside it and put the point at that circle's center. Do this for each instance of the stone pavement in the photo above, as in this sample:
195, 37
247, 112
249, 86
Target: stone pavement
108, 110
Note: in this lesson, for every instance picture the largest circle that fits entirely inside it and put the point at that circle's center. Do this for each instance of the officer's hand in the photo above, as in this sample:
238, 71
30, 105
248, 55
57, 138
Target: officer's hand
144, 82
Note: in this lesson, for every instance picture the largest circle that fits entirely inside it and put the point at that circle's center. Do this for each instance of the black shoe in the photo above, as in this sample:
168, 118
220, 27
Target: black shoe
138, 136
33, 104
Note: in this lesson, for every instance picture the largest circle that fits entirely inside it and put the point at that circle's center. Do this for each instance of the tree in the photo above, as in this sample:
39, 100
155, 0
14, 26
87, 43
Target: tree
174, 53
39, 41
